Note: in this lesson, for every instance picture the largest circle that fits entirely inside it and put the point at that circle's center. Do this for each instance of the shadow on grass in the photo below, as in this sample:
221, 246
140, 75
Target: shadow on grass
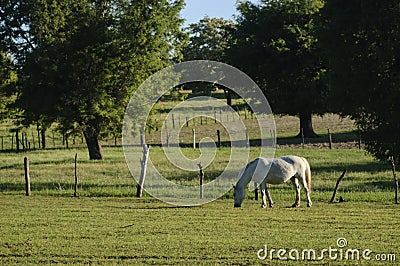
61, 188
372, 167
351, 136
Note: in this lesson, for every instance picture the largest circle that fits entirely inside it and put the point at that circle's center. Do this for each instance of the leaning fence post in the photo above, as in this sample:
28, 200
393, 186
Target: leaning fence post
337, 185
143, 163
27, 177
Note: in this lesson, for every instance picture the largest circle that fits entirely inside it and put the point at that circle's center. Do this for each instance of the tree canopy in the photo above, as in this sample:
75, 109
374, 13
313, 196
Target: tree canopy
79, 61
361, 40
209, 39
276, 44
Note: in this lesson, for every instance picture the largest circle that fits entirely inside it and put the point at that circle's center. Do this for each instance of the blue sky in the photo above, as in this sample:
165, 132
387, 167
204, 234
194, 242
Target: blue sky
197, 9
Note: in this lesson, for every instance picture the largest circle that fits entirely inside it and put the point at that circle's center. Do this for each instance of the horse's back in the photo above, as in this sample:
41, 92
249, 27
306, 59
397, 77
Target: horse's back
299, 163
279, 170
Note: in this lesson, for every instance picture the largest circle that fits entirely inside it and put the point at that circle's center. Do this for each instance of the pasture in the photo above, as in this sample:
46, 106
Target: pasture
106, 224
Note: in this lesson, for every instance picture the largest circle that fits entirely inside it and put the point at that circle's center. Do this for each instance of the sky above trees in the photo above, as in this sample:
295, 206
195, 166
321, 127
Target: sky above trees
198, 9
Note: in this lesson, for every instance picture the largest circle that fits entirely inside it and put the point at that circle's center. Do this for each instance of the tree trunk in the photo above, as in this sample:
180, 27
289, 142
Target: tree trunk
306, 126
92, 142
43, 137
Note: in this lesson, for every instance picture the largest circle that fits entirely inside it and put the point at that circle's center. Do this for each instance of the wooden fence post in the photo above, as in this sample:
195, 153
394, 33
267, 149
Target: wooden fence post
17, 139
143, 163
167, 139
194, 138
330, 139
23, 141
201, 180
38, 137
337, 185
76, 178
219, 138
247, 139
26, 141
27, 177
256, 191
33, 140
173, 121
396, 183
302, 138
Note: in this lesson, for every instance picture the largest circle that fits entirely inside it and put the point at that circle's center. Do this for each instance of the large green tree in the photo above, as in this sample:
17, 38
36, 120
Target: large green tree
276, 44
362, 42
8, 80
209, 39
81, 60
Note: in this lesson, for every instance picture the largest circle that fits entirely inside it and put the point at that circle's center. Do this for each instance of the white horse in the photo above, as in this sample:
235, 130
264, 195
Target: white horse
275, 171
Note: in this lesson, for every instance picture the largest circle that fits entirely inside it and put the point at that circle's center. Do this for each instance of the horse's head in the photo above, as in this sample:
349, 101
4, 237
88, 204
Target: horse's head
238, 195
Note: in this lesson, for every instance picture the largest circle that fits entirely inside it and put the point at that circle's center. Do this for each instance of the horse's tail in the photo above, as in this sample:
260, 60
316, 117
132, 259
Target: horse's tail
308, 174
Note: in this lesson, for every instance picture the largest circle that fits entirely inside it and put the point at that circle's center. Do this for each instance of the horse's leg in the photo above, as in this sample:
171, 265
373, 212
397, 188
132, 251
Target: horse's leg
265, 194
304, 185
271, 203
295, 183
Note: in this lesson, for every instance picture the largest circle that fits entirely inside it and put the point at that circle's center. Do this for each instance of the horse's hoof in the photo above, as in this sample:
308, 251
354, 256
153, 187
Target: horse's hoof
271, 205
263, 206
295, 205
309, 205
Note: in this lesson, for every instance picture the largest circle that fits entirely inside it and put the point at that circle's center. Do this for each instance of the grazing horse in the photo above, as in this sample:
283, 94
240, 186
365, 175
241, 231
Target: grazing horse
275, 171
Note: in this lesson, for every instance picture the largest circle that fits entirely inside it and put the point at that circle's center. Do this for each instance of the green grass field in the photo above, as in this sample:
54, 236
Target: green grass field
108, 225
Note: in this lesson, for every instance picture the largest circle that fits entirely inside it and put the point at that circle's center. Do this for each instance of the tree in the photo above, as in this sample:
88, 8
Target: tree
8, 79
85, 58
209, 39
361, 40
275, 43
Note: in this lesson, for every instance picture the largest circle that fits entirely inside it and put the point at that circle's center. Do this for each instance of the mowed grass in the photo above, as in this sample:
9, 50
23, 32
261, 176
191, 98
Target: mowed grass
129, 231
108, 225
